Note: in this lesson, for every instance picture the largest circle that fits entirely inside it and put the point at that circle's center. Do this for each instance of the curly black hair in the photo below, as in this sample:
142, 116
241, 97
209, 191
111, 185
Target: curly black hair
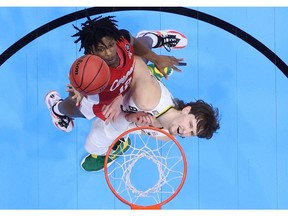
93, 30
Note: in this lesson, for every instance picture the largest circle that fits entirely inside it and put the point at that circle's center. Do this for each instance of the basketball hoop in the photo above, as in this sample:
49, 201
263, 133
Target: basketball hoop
149, 172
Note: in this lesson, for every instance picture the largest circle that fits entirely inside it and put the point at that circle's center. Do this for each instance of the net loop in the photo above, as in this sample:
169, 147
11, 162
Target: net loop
151, 172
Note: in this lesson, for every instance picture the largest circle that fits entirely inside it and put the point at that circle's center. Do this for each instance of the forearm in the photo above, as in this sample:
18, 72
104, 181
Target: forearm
142, 50
140, 118
160, 61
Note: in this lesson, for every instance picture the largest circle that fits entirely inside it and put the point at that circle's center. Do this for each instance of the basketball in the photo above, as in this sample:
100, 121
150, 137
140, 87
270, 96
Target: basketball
89, 74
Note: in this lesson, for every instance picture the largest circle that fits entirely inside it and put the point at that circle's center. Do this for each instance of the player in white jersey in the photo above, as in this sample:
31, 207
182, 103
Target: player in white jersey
166, 101
149, 102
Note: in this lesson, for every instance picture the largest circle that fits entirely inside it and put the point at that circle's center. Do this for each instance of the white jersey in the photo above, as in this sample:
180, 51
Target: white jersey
102, 135
165, 103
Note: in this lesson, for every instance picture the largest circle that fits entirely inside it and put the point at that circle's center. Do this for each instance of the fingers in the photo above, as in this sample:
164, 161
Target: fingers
110, 113
170, 61
74, 94
179, 62
176, 61
78, 99
105, 110
111, 117
145, 120
176, 69
69, 88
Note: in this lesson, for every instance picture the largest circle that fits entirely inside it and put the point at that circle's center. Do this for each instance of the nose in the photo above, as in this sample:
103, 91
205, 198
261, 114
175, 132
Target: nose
108, 52
186, 131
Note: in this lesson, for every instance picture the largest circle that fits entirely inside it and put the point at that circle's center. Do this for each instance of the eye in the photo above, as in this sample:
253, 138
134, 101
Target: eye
111, 44
191, 125
100, 50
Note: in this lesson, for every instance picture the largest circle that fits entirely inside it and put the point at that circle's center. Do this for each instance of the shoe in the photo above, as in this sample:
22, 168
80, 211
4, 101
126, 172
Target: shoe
64, 123
169, 39
154, 70
95, 163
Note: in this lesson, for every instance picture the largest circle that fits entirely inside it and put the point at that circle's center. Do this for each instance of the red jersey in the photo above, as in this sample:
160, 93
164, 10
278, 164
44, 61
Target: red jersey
120, 77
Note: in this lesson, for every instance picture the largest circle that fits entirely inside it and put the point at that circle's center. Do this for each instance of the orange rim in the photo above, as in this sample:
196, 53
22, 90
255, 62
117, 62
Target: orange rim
159, 205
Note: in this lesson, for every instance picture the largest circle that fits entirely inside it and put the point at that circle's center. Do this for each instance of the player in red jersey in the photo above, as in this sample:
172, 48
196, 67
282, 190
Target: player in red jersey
117, 48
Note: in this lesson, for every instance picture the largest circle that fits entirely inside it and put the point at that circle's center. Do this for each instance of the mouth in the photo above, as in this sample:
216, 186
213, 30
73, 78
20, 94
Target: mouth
178, 130
110, 61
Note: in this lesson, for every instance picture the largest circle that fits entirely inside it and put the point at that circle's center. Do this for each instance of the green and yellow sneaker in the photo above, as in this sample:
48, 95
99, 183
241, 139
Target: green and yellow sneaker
95, 163
154, 70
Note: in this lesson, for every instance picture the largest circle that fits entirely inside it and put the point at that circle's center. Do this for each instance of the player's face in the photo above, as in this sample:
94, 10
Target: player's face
184, 125
107, 50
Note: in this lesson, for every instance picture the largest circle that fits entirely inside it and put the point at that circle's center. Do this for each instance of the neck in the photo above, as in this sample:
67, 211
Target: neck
117, 62
166, 119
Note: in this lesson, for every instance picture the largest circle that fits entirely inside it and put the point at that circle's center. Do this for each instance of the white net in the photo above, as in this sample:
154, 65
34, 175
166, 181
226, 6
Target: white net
147, 171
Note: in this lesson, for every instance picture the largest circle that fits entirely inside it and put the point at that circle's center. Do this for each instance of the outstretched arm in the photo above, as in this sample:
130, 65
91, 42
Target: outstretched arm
161, 61
110, 111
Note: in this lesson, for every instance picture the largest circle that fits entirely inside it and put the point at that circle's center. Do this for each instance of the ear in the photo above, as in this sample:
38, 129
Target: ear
186, 110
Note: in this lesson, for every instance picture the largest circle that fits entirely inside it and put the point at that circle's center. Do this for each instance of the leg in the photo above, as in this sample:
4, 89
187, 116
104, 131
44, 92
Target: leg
62, 111
98, 141
169, 39
61, 121
68, 107
148, 42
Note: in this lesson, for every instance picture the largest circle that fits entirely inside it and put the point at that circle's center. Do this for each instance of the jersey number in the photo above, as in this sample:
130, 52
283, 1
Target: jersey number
126, 85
